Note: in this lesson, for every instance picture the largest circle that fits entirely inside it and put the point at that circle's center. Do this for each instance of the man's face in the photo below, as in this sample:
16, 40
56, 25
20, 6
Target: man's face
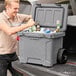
13, 9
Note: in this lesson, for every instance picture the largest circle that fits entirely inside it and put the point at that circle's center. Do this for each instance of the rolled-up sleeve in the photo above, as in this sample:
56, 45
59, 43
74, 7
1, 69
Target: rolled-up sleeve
24, 17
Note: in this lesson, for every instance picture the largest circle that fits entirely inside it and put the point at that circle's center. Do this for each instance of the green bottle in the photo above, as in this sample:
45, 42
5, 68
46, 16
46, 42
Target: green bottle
58, 26
33, 28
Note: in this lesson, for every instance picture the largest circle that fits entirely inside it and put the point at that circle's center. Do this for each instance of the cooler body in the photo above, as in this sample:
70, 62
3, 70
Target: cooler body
42, 48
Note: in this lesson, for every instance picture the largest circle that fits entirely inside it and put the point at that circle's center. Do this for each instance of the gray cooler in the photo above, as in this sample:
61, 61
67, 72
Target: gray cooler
45, 48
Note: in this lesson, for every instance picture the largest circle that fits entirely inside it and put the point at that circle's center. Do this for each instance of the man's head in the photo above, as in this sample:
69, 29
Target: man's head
12, 7
8, 2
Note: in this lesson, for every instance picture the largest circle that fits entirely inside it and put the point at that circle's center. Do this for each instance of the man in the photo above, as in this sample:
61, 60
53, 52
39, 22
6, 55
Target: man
10, 24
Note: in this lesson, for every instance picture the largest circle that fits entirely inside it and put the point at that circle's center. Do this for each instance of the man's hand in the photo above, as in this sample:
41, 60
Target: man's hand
30, 22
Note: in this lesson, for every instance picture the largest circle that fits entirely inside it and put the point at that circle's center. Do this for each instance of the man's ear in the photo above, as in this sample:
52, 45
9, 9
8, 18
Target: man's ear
7, 6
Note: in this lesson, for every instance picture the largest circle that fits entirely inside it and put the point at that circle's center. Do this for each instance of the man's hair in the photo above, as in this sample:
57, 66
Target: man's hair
8, 2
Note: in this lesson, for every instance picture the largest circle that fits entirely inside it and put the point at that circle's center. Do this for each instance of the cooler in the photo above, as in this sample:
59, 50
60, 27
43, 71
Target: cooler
45, 48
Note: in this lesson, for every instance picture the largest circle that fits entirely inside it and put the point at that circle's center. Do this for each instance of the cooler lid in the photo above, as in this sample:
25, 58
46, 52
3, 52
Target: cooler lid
47, 15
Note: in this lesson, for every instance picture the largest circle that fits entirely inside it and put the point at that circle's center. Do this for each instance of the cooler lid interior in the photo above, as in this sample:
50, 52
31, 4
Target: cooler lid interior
47, 15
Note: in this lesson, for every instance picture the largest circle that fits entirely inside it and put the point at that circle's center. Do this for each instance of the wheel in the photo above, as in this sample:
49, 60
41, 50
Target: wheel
62, 56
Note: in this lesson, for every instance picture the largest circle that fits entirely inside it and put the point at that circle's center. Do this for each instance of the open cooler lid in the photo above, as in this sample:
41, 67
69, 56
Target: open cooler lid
48, 14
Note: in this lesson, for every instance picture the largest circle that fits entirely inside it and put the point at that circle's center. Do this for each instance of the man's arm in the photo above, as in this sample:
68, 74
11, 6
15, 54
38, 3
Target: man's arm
11, 30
